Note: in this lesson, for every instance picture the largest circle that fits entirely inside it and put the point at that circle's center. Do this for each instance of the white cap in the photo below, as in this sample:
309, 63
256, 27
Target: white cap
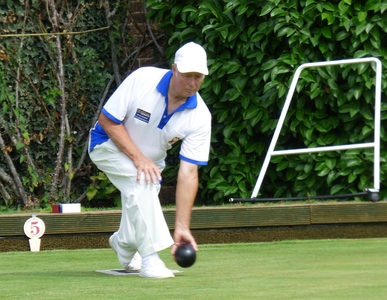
191, 58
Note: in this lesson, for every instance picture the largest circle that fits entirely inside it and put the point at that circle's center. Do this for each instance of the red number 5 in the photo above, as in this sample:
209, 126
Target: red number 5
35, 228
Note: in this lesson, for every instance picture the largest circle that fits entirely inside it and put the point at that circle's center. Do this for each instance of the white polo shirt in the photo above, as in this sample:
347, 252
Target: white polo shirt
140, 103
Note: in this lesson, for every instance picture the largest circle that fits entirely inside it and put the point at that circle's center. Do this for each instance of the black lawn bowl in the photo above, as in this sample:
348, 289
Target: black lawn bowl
185, 256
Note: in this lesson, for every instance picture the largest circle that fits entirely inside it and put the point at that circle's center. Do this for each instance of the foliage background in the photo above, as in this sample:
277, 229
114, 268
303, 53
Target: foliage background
253, 49
52, 89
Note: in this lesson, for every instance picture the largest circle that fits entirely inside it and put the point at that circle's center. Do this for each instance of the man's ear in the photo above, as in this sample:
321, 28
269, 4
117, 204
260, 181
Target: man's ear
174, 69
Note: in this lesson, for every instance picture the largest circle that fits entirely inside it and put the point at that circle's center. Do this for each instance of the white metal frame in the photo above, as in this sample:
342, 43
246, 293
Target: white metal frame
376, 144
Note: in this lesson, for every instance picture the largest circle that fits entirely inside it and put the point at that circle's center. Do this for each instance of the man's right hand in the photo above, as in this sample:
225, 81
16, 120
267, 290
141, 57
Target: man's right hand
151, 172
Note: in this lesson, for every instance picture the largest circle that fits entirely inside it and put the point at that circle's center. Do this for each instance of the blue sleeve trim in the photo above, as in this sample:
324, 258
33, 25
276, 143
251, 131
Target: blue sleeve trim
114, 119
195, 162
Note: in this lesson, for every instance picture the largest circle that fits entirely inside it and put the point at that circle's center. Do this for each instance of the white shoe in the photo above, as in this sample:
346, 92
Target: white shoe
156, 269
135, 264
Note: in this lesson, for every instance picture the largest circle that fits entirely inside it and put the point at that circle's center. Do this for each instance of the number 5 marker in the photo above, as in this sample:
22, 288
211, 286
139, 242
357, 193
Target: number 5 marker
34, 228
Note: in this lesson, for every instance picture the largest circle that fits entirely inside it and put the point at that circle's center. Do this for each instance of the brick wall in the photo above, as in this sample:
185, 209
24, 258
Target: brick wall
148, 55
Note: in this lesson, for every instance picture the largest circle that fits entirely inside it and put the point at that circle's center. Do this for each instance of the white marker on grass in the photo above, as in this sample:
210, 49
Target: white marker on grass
34, 228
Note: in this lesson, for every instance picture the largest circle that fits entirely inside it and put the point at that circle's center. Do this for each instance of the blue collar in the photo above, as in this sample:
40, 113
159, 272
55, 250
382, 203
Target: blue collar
163, 87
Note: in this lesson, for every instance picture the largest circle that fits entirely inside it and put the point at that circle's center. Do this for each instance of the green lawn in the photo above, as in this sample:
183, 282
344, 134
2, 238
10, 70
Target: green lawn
320, 269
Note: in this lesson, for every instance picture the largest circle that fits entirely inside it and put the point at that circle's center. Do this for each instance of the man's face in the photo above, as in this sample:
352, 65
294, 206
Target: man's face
187, 84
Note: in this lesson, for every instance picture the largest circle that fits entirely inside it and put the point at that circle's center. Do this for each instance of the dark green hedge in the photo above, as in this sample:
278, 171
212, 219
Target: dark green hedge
254, 48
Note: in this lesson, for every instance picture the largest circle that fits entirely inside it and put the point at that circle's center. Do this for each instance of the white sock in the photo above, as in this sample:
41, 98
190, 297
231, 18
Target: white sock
146, 259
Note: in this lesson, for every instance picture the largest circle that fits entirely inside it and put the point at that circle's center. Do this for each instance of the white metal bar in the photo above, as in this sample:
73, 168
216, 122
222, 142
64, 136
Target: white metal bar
375, 144
322, 149
378, 100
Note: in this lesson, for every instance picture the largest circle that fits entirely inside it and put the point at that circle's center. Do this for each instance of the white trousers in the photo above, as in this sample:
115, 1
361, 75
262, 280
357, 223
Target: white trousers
143, 227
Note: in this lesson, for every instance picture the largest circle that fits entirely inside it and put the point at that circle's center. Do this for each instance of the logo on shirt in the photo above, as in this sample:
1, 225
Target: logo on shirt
174, 140
142, 115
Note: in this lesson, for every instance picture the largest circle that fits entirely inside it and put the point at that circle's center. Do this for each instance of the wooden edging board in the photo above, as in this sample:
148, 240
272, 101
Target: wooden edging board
237, 217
